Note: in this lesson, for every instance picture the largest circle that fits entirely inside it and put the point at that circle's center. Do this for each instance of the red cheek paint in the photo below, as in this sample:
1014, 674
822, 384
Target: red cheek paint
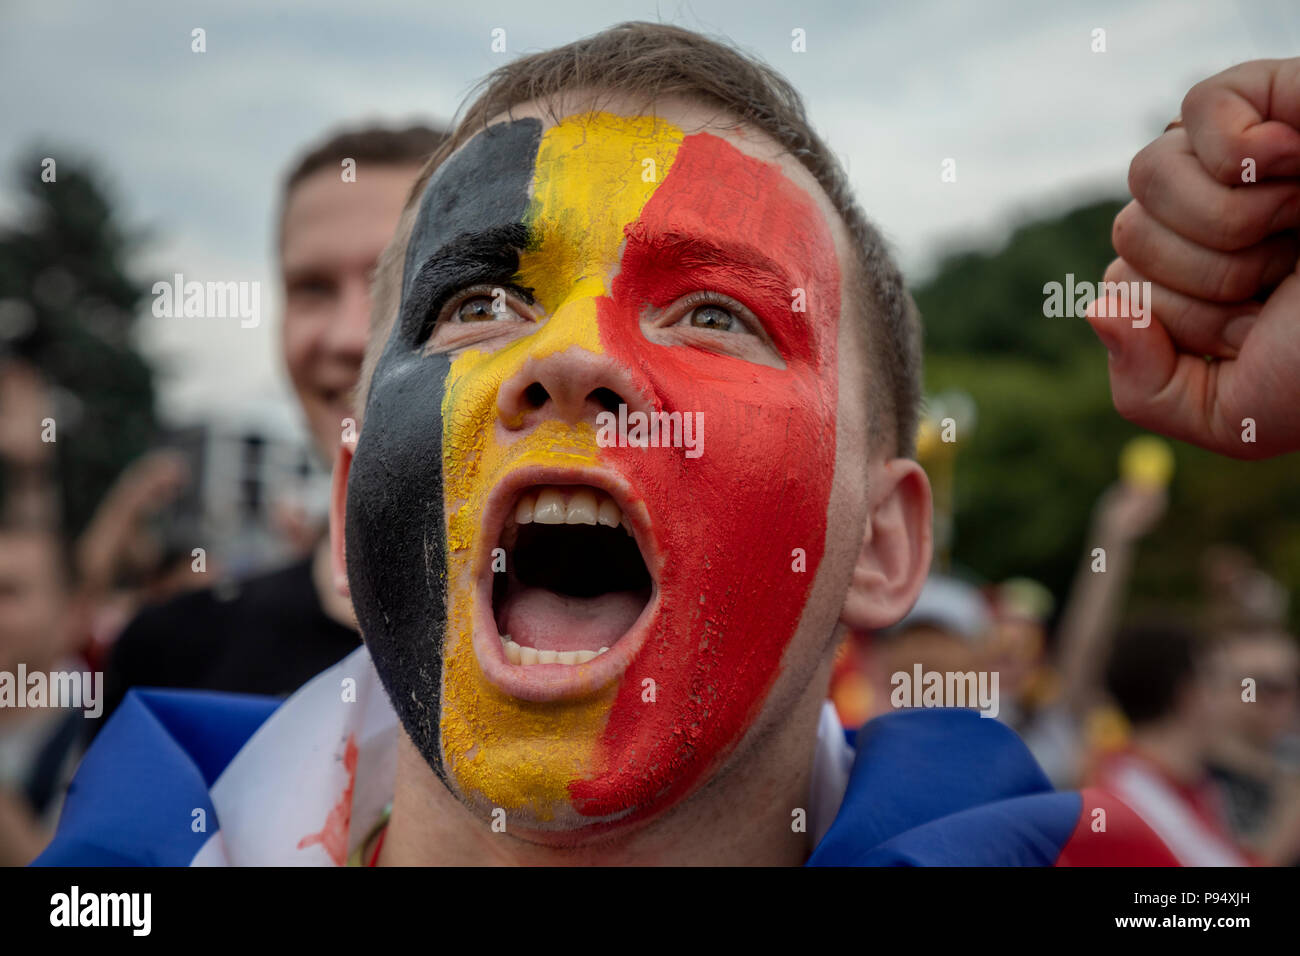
727, 523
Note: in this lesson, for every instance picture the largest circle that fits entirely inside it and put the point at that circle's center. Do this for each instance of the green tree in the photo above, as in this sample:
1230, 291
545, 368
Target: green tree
990, 302
72, 303
1047, 439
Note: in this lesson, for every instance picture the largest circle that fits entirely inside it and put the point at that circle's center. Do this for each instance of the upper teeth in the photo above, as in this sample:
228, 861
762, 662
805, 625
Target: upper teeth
569, 506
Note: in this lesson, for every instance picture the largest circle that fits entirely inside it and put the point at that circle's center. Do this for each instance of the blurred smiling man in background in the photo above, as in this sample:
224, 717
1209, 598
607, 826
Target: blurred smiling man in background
339, 207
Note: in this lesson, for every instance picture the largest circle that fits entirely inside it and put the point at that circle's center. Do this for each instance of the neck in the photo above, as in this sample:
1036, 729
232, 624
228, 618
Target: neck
1176, 749
741, 817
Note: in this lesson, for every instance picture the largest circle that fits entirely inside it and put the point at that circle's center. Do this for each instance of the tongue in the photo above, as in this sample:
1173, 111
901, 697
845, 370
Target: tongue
536, 617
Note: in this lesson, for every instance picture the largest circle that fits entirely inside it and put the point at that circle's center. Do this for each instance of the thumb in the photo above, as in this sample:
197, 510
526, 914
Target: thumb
1154, 385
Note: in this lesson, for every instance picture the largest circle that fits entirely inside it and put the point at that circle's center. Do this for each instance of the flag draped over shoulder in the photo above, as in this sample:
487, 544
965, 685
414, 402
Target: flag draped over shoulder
195, 778
292, 783
946, 787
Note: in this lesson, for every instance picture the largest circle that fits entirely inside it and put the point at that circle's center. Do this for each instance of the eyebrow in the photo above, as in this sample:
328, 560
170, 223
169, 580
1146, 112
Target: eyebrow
493, 246
485, 255
688, 251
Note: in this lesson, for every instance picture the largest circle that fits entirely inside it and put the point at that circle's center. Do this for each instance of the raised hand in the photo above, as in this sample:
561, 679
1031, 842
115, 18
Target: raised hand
1212, 227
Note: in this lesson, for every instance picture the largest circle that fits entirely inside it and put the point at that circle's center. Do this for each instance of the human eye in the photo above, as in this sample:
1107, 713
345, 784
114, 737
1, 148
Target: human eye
713, 322
713, 312
478, 313
483, 304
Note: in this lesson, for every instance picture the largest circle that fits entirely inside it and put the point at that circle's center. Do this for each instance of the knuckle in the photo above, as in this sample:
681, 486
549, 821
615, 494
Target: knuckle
1140, 173
1125, 406
1235, 149
1196, 97
1286, 213
1234, 227
1123, 229
1225, 280
1288, 74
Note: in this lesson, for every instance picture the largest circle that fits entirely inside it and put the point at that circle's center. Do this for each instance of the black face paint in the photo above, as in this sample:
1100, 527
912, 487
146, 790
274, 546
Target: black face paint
470, 224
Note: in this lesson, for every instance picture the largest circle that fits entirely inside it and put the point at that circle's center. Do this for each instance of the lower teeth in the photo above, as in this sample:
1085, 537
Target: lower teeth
528, 656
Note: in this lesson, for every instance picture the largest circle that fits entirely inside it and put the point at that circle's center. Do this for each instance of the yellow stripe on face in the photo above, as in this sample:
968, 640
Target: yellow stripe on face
593, 175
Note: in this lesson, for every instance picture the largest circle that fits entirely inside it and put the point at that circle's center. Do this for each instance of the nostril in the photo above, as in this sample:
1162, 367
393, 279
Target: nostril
607, 399
535, 395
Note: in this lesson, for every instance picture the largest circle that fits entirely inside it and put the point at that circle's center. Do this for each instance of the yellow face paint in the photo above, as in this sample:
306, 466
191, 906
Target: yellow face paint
593, 175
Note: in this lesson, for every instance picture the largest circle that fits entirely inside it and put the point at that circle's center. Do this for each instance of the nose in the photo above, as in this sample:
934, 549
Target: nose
573, 385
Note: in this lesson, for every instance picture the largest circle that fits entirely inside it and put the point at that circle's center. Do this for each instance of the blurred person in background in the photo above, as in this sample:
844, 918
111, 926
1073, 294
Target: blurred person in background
1255, 757
1030, 686
1020, 609
1238, 593
39, 746
1066, 712
123, 562
945, 632
271, 633
1124, 514
1159, 675
1053, 699
38, 630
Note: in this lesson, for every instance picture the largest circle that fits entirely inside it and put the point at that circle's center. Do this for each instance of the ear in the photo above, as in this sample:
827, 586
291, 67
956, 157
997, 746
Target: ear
338, 515
894, 559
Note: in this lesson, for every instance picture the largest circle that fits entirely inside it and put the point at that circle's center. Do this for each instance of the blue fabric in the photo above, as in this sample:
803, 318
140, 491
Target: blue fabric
133, 798
1023, 831
915, 769
936, 787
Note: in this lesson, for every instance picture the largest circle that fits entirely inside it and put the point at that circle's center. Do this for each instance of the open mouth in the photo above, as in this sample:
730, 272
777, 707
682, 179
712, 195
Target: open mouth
575, 581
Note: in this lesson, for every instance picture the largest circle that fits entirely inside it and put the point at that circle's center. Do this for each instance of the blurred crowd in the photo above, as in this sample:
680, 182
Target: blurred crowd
1194, 724
1191, 721
132, 592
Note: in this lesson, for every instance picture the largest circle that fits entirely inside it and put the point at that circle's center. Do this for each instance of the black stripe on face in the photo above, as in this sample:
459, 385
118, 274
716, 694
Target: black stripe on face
469, 228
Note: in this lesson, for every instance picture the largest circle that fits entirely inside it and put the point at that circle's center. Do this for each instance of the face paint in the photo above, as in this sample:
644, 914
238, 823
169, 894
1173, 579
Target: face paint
729, 521
396, 531
598, 244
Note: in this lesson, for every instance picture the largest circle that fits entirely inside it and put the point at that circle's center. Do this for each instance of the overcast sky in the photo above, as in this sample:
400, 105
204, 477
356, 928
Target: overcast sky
195, 144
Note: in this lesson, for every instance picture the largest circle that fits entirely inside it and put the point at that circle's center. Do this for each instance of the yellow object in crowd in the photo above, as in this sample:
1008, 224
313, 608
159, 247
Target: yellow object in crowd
1147, 461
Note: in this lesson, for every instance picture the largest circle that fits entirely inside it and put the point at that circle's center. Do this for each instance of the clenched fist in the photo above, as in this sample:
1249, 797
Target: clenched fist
1212, 227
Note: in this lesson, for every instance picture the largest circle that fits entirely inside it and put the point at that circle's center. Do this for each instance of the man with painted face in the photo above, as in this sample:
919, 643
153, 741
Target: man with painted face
598, 643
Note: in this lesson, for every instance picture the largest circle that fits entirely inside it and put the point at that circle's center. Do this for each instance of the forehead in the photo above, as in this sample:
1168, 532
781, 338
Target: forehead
331, 219
1272, 651
596, 165
687, 116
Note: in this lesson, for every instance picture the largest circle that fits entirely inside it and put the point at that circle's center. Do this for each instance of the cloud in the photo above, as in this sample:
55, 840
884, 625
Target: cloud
197, 143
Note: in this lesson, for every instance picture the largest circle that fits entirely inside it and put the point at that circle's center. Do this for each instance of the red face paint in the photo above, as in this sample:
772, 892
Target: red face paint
729, 522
